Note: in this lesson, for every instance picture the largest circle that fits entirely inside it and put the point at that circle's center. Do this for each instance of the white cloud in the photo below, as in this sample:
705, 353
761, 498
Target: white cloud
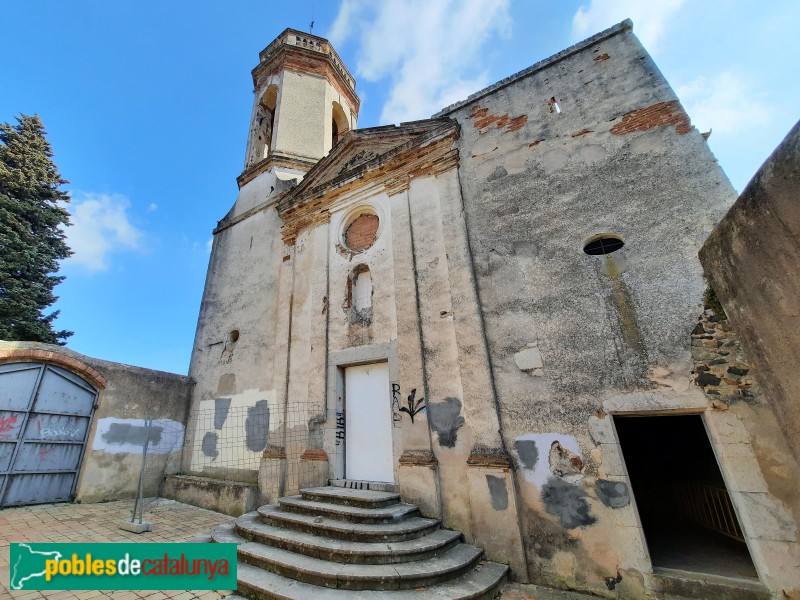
430, 50
726, 103
152, 207
100, 226
649, 18
209, 244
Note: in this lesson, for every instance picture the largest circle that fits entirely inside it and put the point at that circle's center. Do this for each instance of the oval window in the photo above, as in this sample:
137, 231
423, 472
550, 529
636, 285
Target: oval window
603, 244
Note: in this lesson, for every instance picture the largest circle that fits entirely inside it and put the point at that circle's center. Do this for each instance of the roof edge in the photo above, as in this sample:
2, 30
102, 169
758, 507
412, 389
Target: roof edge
626, 25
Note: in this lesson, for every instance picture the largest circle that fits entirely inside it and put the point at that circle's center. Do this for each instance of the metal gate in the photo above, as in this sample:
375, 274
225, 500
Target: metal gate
45, 414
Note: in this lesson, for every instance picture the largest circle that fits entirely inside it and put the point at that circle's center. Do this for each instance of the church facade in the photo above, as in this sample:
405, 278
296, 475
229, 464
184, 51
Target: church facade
498, 312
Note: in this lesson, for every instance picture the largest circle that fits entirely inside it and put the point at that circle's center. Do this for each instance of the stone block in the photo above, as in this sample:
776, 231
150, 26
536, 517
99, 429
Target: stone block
229, 497
135, 527
762, 517
613, 464
726, 428
528, 359
740, 467
602, 430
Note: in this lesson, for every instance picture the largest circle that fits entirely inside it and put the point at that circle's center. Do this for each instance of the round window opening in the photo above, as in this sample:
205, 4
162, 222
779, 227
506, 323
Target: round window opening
603, 244
361, 232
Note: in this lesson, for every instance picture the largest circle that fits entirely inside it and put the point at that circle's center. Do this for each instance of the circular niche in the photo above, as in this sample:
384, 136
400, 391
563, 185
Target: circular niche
360, 229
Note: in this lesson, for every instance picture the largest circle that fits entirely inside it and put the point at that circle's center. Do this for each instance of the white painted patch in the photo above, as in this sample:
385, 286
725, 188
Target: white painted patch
232, 451
541, 472
171, 439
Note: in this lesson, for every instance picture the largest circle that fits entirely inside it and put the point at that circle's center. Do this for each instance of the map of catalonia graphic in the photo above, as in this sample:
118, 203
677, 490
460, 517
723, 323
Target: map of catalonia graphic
30, 564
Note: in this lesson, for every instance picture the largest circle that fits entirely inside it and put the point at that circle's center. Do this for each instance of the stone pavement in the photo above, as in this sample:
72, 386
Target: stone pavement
172, 522
519, 591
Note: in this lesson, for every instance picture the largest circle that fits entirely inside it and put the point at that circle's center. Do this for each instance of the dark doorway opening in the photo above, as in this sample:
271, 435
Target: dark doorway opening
688, 519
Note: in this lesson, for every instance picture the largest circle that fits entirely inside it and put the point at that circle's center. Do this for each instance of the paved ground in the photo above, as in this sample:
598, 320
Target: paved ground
172, 522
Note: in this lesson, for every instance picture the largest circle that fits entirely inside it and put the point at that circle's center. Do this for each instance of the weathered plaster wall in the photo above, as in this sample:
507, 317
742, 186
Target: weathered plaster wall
591, 141
113, 456
301, 115
241, 295
752, 260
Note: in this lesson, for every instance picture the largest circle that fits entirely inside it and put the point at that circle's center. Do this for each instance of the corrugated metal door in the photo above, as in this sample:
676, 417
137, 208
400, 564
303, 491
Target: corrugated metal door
45, 414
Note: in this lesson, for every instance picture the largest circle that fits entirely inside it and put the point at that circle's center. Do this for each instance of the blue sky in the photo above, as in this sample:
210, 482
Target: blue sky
147, 106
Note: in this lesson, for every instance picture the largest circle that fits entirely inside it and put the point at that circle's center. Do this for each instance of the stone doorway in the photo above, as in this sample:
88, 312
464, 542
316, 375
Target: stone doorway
689, 521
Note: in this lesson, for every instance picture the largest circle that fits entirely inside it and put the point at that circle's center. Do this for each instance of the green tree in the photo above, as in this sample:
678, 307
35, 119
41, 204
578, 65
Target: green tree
32, 221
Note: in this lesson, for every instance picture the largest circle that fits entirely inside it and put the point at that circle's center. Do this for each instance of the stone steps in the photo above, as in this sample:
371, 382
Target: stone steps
352, 514
251, 528
481, 583
350, 543
345, 497
359, 532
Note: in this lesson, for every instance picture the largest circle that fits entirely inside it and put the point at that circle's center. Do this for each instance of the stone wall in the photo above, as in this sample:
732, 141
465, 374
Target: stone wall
591, 141
752, 260
720, 366
127, 395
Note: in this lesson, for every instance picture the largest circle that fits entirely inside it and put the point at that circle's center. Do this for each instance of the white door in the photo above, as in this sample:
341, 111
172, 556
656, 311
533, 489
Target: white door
368, 423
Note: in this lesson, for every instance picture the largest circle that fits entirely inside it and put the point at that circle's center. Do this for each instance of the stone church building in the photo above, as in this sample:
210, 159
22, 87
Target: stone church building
498, 313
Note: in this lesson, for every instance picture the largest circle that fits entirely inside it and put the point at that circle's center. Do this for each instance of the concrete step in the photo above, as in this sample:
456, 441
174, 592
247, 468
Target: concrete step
410, 528
353, 514
250, 527
360, 484
363, 498
451, 564
480, 583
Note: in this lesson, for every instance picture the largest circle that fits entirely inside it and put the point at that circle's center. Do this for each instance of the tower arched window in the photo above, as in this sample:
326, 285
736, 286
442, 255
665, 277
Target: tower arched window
263, 126
339, 125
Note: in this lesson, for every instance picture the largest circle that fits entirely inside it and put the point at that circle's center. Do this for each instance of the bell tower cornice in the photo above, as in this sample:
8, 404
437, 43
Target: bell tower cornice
309, 54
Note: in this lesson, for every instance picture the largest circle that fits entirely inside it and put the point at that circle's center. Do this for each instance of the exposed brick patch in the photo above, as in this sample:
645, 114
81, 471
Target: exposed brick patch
535, 143
601, 57
657, 115
582, 132
418, 458
317, 455
67, 362
483, 120
362, 232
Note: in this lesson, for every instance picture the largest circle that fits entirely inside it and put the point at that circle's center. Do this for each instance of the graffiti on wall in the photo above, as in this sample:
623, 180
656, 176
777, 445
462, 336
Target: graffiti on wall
413, 406
339, 427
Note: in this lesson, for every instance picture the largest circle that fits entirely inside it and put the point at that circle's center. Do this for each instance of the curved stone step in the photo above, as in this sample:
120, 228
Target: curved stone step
408, 529
226, 534
451, 564
350, 497
480, 583
353, 514
250, 527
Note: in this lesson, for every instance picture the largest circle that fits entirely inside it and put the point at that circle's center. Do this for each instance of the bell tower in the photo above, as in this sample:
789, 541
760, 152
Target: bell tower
305, 101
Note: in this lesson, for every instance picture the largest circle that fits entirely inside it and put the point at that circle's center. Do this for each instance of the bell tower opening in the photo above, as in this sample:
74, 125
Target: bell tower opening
339, 125
263, 126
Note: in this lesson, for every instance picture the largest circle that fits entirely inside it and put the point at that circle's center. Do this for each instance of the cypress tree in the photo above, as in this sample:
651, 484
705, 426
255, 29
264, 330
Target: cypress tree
32, 221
